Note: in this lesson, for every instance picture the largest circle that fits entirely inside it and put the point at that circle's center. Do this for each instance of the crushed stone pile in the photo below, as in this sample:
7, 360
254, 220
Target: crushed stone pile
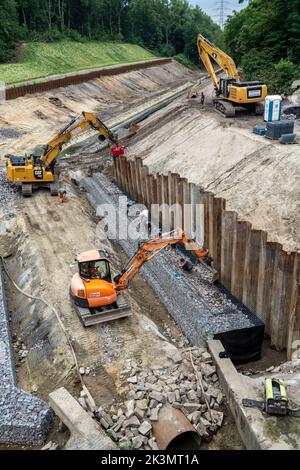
191, 386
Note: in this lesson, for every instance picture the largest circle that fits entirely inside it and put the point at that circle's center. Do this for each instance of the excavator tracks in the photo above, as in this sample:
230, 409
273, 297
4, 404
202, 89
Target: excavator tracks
225, 108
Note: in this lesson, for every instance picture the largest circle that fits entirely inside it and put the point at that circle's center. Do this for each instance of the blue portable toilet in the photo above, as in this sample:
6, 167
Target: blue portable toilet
273, 108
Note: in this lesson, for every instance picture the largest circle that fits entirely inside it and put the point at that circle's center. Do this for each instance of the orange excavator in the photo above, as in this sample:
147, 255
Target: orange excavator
97, 297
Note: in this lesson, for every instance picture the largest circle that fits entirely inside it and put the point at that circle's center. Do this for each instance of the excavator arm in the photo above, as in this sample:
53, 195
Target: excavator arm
88, 120
208, 51
152, 248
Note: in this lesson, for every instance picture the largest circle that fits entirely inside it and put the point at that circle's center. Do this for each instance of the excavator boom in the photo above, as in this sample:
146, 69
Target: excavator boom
74, 128
38, 170
152, 248
208, 51
96, 297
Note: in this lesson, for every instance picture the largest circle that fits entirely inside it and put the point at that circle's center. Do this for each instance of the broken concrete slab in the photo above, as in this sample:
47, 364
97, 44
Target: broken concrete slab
250, 422
86, 434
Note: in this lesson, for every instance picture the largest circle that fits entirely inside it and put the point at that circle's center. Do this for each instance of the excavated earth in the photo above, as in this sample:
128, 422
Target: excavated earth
43, 237
259, 178
42, 260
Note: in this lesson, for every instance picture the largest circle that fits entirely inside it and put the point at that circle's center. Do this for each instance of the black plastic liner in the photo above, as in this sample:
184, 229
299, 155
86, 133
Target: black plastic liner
244, 345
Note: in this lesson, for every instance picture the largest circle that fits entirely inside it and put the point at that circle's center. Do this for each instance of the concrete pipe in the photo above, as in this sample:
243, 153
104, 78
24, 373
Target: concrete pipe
174, 432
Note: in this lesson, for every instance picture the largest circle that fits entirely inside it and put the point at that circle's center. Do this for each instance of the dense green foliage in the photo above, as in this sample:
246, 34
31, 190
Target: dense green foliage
8, 29
167, 27
42, 59
264, 38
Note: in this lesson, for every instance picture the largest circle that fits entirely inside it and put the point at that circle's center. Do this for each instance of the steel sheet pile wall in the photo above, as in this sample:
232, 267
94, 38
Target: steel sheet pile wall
74, 78
257, 272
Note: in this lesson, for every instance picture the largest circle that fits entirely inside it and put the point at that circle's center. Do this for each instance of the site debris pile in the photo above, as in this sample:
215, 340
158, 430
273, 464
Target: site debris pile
191, 386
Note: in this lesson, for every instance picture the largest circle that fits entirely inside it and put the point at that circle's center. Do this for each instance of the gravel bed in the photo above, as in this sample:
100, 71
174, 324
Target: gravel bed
202, 310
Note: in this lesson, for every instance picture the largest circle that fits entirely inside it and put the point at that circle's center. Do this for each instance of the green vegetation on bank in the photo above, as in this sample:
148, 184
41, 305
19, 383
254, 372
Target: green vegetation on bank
43, 59
264, 39
166, 27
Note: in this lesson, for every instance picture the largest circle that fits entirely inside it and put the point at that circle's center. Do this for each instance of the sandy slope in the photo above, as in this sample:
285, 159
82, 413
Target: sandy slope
259, 178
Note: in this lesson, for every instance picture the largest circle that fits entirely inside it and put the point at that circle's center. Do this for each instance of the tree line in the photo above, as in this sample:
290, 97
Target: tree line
264, 39
168, 27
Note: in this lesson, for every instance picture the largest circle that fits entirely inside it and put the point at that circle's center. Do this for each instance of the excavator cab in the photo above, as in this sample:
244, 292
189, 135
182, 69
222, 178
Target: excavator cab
93, 293
96, 269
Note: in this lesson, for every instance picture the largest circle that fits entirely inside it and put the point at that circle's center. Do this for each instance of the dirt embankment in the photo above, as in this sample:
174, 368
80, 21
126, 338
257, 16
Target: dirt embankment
52, 234
258, 177
43, 265
34, 119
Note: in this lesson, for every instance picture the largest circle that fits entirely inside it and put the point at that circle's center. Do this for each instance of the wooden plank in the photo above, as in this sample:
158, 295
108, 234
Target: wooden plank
271, 263
146, 193
134, 178
155, 198
115, 169
192, 210
178, 197
228, 247
253, 268
127, 172
142, 174
171, 198
238, 269
283, 299
219, 207
123, 176
138, 166
123, 179
130, 178
186, 204
203, 200
294, 327
294, 322
165, 206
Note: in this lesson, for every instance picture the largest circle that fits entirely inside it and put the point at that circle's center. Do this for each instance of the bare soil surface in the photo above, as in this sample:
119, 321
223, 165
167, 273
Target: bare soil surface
258, 177
44, 236
184, 138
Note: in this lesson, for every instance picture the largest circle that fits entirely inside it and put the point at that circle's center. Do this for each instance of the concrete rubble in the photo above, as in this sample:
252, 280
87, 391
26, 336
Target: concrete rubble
130, 424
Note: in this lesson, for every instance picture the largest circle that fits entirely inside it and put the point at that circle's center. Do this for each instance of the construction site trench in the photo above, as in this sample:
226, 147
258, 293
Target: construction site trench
40, 239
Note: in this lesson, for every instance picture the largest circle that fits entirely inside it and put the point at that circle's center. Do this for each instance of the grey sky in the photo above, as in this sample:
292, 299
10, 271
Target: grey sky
211, 7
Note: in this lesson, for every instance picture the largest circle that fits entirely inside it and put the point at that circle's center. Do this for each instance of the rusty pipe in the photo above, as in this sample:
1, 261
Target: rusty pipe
173, 431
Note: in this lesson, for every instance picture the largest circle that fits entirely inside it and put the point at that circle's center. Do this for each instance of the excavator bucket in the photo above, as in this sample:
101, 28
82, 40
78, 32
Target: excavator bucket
91, 317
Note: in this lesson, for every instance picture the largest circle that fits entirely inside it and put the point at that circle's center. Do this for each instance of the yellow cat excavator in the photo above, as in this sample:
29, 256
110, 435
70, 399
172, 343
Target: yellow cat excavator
39, 170
231, 92
96, 296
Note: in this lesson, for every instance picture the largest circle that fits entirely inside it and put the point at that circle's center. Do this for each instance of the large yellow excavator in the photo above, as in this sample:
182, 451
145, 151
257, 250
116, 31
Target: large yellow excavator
96, 296
231, 92
39, 170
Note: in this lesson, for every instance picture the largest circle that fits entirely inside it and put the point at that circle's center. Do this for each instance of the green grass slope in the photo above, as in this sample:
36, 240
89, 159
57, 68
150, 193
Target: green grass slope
44, 59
